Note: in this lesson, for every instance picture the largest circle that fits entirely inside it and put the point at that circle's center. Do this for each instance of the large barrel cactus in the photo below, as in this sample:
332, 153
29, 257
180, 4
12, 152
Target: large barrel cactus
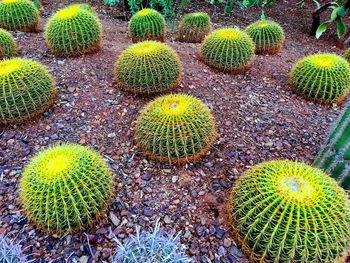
323, 78
176, 128
283, 211
194, 27
27, 90
148, 67
8, 47
229, 50
66, 188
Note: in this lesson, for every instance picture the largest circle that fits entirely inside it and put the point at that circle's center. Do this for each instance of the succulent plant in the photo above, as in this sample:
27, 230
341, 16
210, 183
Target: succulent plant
283, 211
65, 188
347, 54
27, 90
148, 67
228, 49
73, 31
147, 24
175, 128
323, 78
37, 4
194, 27
19, 15
11, 252
8, 47
268, 36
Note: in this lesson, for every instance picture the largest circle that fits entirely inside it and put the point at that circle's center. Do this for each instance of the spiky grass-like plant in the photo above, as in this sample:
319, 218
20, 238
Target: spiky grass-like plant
27, 90
228, 49
147, 24
283, 211
194, 27
73, 31
66, 188
323, 78
19, 15
148, 67
175, 128
8, 47
11, 252
268, 36
347, 54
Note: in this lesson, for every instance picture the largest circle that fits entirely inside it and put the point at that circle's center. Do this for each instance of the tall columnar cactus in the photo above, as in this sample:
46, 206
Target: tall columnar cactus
283, 211
73, 31
147, 24
268, 36
19, 15
148, 67
323, 78
8, 47
228, 49
347, 54
66, 188
27, 90
194, 27
11, 252
175, 128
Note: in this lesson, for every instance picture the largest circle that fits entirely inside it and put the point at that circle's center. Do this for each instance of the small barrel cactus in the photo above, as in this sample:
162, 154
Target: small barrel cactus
21, 15
323, 78
194, 27
11, 252
8, 47
73, 31
228, 49
66, 188
347, 54
175, 128
148, 67
147, 24
283, 211
268, 36
27, 90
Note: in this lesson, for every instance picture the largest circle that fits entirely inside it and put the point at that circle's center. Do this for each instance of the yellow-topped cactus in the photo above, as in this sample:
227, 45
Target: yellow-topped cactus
194, 27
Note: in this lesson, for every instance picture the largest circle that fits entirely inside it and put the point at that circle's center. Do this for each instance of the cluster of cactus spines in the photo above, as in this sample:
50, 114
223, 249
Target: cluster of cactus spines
73, 31
11, 252
19, 15
283, 211
175, 128
148, 67
37, 4
323, 78
147, 24
65, 188
194, 27
347, 54
8, 47
268, 36
27, 90
229, 50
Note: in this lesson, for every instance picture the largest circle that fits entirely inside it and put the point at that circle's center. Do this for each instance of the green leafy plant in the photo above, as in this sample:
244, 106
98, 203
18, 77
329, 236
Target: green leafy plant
65, 188
194, 27
229, 4
148, 67
11, 252
283, 211
8, 47
27, 90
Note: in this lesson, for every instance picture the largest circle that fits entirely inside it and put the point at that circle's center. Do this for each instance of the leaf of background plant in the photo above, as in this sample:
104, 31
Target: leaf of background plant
321, 29
341, 27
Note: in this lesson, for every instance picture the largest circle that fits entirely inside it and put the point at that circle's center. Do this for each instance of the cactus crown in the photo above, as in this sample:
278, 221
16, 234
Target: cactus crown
68, 12
194, 27
8, 47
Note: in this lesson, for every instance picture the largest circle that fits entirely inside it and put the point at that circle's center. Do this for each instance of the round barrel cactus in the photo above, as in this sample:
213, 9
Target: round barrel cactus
27, 90
175, 128
8, 47
19, 15
65, 188
347, 54
268, 36
73, 31
228, 49
147, 24
194, 27
323, 78
148, 67
283, 211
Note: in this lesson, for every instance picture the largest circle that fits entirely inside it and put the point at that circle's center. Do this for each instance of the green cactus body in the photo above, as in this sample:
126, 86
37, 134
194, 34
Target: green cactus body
347, 54
147, 24
175, 128
268, 36
27, 90
194, 27
229, 50
148, 67
73, 31
37, 4
283, 211
323, 78
66, 188
8, 47
19, 15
